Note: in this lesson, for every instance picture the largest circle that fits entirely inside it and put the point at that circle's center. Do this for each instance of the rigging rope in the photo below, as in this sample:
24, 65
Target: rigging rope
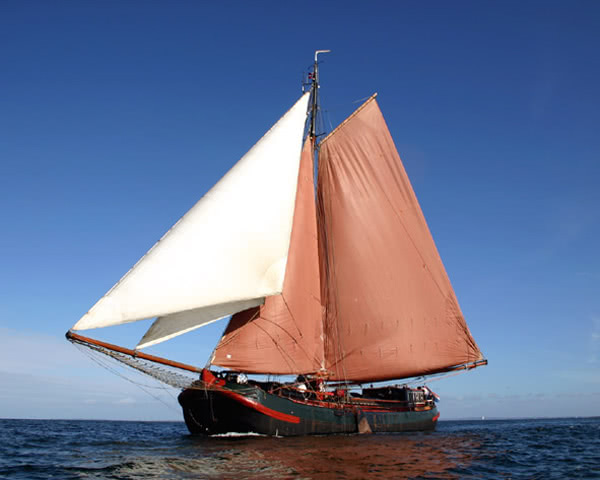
167, 375
93, 355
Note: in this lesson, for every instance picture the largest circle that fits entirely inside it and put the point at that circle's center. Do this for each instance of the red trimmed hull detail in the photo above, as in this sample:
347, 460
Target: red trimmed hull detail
229, 407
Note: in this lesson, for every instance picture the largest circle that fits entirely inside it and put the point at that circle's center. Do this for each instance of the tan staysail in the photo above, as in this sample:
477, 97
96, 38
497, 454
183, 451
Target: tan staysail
226, 253
285, 335
391, 311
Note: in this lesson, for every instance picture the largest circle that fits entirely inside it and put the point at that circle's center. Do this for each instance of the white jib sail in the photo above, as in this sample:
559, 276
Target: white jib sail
231, 247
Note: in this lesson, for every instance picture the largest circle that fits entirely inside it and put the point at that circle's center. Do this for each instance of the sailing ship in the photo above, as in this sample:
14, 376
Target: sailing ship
340, 287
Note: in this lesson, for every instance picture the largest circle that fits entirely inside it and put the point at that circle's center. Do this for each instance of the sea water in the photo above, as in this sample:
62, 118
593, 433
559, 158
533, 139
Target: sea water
490, 449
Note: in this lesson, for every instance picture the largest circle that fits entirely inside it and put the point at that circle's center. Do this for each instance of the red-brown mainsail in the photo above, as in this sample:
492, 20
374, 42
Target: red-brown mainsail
391, 311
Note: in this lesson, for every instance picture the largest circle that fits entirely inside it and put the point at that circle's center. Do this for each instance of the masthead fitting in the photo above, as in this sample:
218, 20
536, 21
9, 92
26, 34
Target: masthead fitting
320, 51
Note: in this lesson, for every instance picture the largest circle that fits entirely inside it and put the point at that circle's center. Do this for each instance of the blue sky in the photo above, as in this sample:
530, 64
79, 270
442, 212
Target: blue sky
115, 117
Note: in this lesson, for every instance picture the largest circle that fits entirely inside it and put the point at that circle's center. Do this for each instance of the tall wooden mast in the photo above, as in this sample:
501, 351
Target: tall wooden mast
315, 96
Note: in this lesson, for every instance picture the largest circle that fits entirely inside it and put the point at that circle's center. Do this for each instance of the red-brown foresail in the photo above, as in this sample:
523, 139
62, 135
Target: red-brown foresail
284, 336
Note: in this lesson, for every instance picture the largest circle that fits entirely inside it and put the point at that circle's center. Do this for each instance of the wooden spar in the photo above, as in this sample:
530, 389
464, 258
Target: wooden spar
134, 353
466, 366
365, 103
463, 366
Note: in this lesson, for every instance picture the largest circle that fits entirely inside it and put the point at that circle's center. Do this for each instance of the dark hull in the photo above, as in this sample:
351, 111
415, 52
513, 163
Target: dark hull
229, 407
